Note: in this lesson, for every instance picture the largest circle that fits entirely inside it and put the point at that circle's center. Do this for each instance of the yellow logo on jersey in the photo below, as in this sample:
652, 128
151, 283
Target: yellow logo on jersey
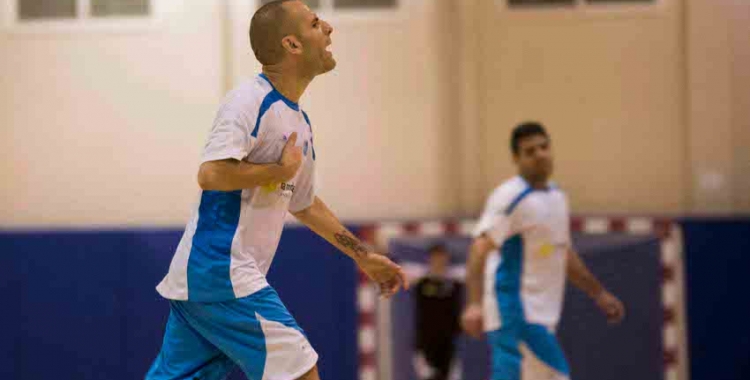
271, 187
546, 249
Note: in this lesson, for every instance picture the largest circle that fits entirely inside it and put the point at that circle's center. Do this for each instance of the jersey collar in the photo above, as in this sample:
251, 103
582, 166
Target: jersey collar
288, 102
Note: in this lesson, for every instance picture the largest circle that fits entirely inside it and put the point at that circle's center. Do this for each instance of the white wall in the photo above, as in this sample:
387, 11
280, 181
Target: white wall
104, 126
710, 105
648, 106
740, 53
718, 51
608, 84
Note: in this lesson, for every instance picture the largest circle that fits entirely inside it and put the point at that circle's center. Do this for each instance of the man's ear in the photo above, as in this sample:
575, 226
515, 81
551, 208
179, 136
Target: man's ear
292, 44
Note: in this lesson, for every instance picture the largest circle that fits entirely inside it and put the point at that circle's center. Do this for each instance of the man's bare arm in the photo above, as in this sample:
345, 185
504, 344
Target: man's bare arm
583, 279
231, 174
478, 252
472, 317
321, 220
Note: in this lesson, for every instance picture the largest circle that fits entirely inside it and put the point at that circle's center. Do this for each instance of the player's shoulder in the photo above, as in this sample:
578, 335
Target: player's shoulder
245, 98
559, 192
507, 192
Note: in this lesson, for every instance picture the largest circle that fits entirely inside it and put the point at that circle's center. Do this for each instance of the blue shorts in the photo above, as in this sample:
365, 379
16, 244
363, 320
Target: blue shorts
526, 351
206, 340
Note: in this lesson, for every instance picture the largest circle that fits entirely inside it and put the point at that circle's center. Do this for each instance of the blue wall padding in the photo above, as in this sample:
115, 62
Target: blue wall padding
717, 264
82, 304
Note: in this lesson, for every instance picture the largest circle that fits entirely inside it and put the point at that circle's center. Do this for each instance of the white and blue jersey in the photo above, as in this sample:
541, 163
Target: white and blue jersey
524, 280
223, 313
231, 239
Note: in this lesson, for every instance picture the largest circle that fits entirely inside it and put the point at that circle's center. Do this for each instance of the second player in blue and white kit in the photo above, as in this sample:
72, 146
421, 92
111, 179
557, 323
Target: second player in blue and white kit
519, 261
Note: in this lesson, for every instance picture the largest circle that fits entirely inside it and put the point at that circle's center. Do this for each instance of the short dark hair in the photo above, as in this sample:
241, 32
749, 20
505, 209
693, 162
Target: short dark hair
524, 130
267, 29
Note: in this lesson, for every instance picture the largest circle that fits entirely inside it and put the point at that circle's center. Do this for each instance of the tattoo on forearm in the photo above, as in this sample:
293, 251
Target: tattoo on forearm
350, 242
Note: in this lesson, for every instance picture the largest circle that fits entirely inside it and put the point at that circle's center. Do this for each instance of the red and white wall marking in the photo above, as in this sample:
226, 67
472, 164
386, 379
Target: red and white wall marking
374, 315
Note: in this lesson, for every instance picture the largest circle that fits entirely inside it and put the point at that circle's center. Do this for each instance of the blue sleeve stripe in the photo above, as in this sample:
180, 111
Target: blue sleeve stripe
312, 140
518, 200
268, 101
